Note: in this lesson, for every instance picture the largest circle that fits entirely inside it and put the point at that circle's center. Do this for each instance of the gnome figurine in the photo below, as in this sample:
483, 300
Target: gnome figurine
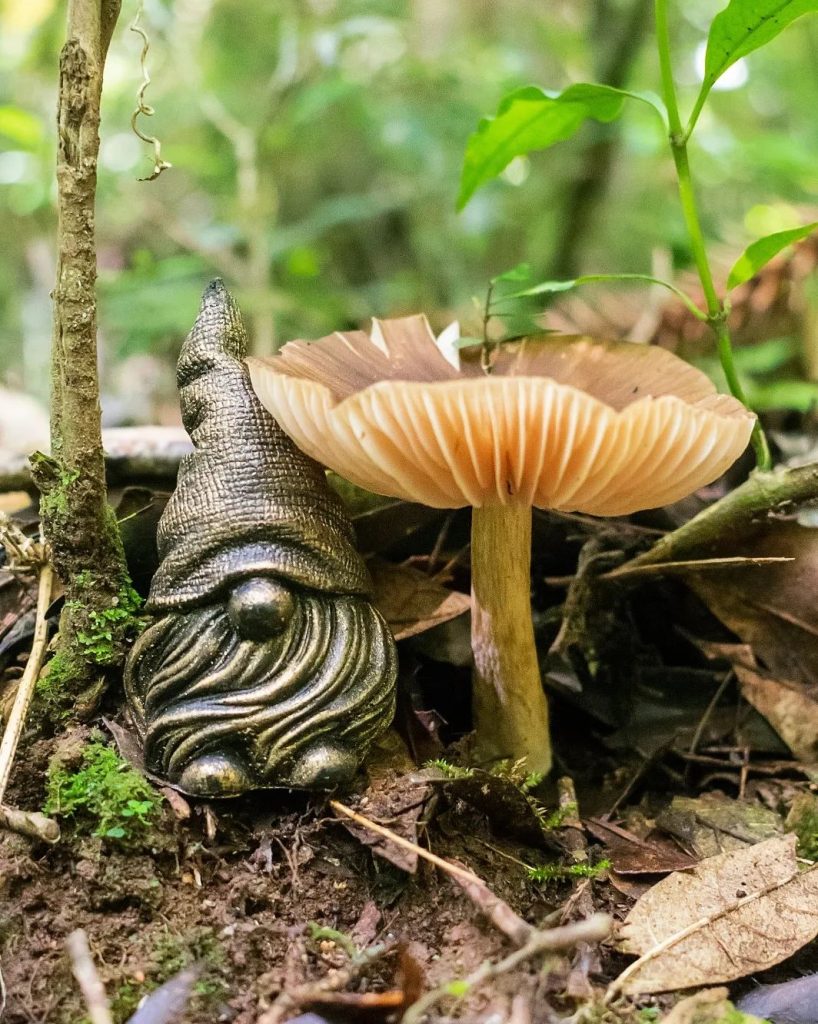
265, 665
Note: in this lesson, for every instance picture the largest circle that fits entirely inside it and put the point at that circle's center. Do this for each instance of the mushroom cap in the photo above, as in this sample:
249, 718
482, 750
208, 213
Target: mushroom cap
562, 422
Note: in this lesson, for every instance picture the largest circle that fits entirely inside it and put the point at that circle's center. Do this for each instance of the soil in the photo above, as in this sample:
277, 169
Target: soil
238, 888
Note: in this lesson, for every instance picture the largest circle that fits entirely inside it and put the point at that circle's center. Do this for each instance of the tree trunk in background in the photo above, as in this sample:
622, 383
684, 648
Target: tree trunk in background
76, 517
613, 67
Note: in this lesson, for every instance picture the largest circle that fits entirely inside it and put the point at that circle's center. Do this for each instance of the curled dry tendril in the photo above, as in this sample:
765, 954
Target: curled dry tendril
142, 108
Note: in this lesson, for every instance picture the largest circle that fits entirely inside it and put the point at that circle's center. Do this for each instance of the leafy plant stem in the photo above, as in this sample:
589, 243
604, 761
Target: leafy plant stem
716, 311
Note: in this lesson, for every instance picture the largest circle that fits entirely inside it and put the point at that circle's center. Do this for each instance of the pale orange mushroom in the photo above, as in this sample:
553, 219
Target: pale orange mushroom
566, 423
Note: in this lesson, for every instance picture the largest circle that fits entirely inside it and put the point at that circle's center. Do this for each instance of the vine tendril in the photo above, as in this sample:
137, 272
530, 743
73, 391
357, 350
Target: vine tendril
143, 108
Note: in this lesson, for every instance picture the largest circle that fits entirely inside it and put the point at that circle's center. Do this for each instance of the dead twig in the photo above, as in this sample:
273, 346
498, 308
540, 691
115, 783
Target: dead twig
455, 870
87, 977
592, 929
26, 555
29, 823
287, 1002
498, 911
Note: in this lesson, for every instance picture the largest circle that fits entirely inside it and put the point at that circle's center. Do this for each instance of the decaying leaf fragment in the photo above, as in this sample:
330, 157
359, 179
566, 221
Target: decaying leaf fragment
732, 915
710, 1006
790, 706
412, 602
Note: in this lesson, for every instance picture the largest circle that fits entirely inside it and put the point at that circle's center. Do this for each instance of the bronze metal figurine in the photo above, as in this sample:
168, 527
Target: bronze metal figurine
265, 665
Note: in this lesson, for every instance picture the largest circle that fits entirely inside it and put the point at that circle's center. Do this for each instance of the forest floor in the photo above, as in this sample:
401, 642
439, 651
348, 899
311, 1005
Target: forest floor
271, 892
673, 748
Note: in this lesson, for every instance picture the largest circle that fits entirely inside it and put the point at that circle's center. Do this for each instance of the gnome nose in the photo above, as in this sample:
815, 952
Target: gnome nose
260, 607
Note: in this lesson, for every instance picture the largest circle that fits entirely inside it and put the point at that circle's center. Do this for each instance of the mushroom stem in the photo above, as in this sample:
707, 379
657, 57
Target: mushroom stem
510, 709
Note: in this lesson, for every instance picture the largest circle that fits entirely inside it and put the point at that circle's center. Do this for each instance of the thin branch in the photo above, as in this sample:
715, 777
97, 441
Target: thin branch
88, 979
496, 910
25, 690
287, 1003
406, 844
592, 929
29, 823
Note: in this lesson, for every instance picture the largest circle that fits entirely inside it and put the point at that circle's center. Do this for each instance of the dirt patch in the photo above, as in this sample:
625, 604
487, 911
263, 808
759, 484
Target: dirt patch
235, 889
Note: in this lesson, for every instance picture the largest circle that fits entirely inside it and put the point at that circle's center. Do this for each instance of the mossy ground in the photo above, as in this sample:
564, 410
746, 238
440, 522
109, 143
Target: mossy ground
102, 796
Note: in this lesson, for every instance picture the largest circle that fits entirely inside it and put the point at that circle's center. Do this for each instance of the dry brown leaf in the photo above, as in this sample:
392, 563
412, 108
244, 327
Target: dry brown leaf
732, 915
630, 855
790, 707
412, 602
771, 607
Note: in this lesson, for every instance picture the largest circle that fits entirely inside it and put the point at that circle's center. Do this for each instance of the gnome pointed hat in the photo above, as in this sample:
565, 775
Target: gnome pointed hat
247, 501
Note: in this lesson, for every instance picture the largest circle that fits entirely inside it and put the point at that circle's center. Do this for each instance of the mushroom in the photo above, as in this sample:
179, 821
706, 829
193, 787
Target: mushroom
566, 423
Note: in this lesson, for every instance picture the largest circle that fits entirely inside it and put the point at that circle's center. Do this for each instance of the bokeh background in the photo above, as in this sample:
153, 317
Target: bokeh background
316, 149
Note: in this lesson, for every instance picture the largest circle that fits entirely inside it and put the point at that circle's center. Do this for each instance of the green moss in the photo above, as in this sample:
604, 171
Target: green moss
54, 503
171, 954
547, 872
105, 797
648, 1014
803, 821
449, 770
125, 999
99, 641
54, 695
174, 952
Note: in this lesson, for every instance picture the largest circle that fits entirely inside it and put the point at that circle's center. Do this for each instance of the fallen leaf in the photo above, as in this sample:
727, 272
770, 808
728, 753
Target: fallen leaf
366, 928
412, 602
509, 811
732, 915
708, 1007
712, 824
770, 607
630, 855
790, 707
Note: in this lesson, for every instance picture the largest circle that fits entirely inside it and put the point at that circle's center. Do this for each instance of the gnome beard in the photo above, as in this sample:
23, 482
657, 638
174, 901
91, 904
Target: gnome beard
266, 664
223, 709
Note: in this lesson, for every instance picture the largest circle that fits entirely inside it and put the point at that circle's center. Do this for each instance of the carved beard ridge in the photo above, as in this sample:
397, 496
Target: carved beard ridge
219, 714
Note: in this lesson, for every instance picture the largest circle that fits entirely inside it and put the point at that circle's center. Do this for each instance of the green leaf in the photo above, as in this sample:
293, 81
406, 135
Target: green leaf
758, 254
522, 272
549, 287
744, 26
532, 118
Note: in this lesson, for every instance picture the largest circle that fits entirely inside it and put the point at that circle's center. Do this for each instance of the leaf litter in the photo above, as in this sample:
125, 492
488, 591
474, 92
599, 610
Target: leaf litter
732, 915
490, 822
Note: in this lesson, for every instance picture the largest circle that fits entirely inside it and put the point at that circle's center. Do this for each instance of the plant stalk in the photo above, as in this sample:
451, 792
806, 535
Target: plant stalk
77, 520
716, 311
510, 708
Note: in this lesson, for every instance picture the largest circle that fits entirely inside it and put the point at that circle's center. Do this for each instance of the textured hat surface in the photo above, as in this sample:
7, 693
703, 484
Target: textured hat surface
247, 501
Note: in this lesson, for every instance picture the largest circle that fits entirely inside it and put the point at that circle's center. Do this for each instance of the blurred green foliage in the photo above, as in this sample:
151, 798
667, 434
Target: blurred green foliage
316, 149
